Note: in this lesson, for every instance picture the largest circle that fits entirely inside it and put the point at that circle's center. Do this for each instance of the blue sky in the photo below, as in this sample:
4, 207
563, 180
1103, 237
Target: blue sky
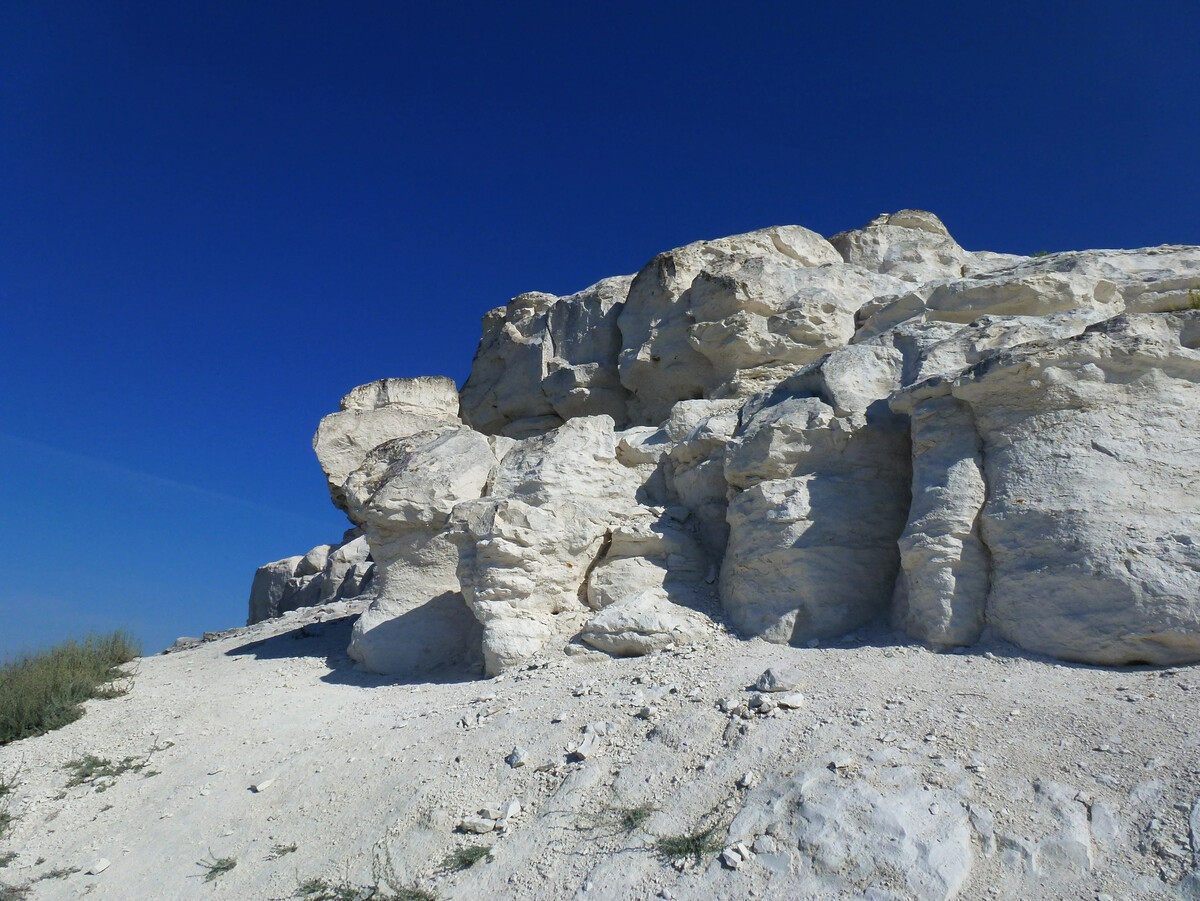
216, 218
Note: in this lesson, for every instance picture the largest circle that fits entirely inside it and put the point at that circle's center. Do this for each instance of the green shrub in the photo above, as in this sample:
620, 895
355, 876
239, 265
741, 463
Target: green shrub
696, 845
45, 690
214, 866
465, 858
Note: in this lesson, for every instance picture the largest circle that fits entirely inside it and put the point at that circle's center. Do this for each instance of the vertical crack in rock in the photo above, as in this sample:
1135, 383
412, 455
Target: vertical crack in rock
601, 553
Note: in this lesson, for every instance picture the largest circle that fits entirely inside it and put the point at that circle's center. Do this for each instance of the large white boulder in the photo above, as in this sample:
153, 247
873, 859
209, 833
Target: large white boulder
270, 587
758, 319
525, 549
818, 475
913, 246
328, 572
698, 431
641, 624
650, 550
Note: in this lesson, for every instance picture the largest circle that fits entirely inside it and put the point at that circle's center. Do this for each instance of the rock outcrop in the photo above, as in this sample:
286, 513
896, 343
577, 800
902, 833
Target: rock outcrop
326, 573
793, 437
1076, 477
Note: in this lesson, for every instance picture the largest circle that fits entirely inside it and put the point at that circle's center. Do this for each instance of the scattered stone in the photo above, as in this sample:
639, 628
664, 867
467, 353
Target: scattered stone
793, 700
99, 867
736, 855
772, 681
517, 757
765, 844
589, 746
477, 825
262, 784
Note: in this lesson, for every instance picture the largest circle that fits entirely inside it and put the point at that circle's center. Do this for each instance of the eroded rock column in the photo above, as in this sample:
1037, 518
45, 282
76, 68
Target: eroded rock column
942, 589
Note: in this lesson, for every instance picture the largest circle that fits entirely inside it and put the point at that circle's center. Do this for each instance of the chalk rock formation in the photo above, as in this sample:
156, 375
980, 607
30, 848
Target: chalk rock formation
527, 547
741, 279
1073, 464
404, 494
544, 359
326, 573
812, 435
377, 412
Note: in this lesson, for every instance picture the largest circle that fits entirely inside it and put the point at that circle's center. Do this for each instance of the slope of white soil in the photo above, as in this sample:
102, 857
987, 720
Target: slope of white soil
905, 774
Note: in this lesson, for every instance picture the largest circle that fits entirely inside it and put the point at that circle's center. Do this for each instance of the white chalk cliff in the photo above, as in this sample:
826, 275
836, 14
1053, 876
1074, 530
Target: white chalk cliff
789, 437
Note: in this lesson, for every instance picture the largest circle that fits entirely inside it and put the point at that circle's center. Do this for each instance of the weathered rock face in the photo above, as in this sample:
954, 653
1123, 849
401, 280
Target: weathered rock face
544, 359
813, 434
1073, 527
377, 412
404, 493
819, 502
661, 359
527, 548
326, 573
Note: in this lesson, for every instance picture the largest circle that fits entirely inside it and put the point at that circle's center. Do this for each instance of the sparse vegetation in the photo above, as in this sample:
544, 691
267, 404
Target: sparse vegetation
45, 690
410, 894
14, 892
99, 772
385, 883
7, 857
318, 889
278, 851
1040, 253
58, 873
632, 819
614, 820
8, 785
465, 858
1194, 299
695, 845
216, 866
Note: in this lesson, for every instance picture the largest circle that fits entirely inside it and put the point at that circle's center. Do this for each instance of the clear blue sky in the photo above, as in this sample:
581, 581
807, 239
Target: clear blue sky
216, 218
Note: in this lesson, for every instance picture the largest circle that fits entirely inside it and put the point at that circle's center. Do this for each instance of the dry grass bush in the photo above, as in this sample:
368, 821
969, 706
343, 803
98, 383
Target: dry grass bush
44, 690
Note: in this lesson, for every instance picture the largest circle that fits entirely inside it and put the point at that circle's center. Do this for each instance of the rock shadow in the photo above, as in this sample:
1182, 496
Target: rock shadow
880, 634
328, 641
